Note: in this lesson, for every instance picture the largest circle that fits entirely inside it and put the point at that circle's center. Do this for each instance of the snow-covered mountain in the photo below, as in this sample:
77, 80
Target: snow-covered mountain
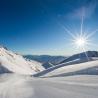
45, 58
86, 68
12, 62
81, 57
82, 83
76, 62
50, 61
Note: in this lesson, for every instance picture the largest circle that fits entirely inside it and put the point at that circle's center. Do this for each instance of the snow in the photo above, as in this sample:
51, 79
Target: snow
73, 86
17, 86
65, 80
11, 62
69, 67
90, 67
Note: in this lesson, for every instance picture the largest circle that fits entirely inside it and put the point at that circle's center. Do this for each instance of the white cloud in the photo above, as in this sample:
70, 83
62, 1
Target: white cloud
87, 11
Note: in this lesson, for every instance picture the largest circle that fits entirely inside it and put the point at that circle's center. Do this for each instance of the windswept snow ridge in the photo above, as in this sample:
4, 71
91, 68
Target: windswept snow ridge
12, 62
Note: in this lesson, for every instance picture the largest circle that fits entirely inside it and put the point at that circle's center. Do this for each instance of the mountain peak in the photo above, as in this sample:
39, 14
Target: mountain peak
89, 54
1, 46
82, 57
11, 62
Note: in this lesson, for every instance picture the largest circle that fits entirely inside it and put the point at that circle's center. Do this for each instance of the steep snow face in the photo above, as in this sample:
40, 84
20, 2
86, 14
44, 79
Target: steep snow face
11, 62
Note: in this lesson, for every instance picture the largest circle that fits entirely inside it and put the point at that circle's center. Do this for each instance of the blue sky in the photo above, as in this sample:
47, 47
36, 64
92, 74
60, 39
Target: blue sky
36, 26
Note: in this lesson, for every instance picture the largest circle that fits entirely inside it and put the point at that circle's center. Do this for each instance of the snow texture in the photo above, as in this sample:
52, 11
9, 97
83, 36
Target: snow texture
16, 86
12, 62
22, 78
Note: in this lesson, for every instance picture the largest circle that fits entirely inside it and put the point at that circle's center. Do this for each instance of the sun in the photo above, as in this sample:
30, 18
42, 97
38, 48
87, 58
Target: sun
80, 42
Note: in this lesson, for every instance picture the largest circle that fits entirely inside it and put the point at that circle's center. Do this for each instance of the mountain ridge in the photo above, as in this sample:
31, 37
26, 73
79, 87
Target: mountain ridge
13, 62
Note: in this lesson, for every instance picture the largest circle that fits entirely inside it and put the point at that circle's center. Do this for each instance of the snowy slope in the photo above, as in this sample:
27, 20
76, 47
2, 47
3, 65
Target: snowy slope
88, 68
16, 86
74, 61
11, 62
82, 83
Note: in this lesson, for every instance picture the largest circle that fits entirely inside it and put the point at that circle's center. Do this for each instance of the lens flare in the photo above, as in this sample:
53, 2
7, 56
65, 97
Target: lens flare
80, 42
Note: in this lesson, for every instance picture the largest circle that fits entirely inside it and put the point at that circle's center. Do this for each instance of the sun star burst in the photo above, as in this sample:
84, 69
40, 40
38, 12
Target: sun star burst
81, 41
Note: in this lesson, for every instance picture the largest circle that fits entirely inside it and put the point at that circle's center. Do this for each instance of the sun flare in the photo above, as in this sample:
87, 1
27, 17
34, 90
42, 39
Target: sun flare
80, 42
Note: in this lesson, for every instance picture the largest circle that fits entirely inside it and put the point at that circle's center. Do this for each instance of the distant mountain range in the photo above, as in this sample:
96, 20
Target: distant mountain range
46, 59
49, 61
32, 64
82, 63
82, 57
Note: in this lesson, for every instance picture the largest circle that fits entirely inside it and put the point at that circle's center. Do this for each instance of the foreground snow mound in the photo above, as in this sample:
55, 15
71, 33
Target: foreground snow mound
12, 62
16, 86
